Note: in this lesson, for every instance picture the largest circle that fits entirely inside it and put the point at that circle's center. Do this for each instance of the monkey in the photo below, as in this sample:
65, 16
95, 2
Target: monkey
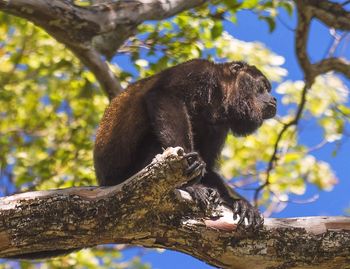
193, 105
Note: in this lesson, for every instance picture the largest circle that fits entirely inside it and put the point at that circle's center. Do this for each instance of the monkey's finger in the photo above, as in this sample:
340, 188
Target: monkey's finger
197, 167
260, 222
236, 208
192, 167
200, 195
191, 157
191, 154
237, 212
251, 219
215, 197
194, 180
243, 215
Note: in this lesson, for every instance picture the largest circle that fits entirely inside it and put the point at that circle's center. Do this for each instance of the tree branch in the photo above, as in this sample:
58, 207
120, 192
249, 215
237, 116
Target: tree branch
146, 211
301, 38
333, 64
81, 24
95, 30
332, 14
92, 60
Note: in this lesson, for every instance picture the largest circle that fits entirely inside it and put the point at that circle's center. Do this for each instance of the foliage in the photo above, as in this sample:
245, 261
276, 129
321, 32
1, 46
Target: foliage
46, 133
50, 106
248, 157
192, 35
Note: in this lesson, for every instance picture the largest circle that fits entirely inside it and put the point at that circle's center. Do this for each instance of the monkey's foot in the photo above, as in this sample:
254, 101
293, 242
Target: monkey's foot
196, 167
248, 214
205, 197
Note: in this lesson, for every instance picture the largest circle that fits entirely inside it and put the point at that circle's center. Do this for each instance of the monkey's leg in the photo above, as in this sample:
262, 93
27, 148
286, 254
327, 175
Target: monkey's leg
239, 204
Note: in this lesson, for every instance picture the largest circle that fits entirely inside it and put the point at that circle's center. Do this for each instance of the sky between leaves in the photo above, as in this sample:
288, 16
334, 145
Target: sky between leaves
50, 106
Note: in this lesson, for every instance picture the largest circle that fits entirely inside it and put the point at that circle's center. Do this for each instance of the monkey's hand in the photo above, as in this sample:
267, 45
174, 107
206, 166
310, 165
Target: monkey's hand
196, 167
205, 197
245, 213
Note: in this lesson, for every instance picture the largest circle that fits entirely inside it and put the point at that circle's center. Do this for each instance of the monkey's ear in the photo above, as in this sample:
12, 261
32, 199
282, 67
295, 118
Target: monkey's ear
235, 66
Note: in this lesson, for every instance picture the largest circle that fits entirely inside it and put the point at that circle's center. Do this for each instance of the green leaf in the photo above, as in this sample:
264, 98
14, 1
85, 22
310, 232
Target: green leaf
233, 5
248, 4
270, 21
288, 6
217, 30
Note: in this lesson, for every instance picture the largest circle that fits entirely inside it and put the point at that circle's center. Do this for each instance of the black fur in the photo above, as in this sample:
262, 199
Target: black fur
192, 105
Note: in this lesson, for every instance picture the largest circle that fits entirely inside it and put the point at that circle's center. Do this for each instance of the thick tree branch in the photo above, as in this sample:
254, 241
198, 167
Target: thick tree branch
76, 24
145, 210
95, 30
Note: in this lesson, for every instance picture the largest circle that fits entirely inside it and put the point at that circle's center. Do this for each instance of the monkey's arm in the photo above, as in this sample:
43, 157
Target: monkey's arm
170, 120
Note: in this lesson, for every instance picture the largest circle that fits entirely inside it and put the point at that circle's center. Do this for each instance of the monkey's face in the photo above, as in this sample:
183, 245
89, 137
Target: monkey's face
250, 97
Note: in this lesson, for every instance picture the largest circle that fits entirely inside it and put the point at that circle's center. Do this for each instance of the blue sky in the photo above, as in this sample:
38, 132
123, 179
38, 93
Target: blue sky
281, 41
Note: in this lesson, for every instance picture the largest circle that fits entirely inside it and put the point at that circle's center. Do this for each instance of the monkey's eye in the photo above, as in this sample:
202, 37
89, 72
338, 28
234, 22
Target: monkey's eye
262, 90
235, 66
267, 86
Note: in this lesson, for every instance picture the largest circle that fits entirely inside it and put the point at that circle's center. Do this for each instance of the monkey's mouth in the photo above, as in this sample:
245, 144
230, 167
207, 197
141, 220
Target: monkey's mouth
270, 111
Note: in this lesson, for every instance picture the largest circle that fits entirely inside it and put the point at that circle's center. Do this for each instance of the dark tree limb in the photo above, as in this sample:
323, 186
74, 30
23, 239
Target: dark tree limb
92, 59
95, 31
333, 64
334, 16
145, 210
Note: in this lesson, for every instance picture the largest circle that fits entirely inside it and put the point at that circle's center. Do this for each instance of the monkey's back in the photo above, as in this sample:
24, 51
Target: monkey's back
126, 141
124, 125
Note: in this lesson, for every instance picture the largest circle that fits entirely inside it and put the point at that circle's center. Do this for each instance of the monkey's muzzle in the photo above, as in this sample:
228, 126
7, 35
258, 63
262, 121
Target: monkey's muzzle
270, 109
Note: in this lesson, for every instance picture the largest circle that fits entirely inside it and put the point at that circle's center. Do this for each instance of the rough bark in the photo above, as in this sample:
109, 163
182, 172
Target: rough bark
147, 210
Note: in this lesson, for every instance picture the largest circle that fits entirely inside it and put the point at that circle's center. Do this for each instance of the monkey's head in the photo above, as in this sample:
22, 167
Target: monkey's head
248, 101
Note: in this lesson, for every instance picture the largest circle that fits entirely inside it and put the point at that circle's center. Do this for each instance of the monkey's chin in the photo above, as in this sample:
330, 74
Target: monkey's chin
269, 112
247, 127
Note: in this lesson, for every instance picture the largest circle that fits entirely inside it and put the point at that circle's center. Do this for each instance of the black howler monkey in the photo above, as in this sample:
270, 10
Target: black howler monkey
192, 105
